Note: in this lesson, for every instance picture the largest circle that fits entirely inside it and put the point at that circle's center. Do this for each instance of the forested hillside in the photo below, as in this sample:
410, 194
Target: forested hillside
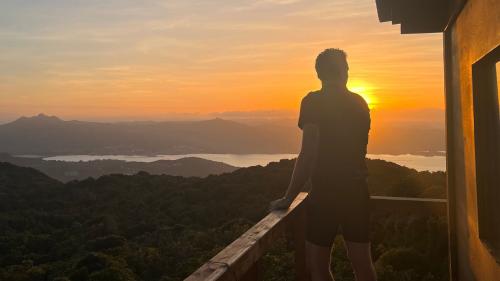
68, 171
158, 227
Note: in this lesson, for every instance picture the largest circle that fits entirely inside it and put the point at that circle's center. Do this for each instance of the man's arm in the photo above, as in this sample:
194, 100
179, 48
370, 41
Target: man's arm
303, 166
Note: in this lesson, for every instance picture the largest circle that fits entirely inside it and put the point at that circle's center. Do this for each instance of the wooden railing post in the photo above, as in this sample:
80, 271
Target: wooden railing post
299, 237
254, 273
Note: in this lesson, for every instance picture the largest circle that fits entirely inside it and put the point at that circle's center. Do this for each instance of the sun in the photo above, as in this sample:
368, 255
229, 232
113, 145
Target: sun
365, 91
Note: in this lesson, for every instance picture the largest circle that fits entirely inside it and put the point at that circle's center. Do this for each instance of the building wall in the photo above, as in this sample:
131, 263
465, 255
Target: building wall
475, 32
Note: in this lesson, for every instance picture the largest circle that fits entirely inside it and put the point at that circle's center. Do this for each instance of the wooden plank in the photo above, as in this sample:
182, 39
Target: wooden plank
236, 259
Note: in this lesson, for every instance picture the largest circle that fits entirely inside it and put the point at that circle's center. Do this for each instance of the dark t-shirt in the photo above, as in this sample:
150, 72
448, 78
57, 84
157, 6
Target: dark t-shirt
344, 122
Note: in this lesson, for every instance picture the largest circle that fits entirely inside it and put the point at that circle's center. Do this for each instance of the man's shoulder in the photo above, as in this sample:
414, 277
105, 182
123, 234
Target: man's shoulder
311, 97
360, 101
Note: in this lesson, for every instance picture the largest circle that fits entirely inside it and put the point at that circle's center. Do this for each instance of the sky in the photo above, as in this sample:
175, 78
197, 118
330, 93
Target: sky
166, 59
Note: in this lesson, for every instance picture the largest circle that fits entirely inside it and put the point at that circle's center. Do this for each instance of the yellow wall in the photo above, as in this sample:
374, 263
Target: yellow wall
475, 32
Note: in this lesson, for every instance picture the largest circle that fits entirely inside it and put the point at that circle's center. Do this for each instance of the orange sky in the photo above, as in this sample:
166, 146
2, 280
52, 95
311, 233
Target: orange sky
163, 59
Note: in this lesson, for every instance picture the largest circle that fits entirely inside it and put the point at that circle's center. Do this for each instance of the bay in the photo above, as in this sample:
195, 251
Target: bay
417, 162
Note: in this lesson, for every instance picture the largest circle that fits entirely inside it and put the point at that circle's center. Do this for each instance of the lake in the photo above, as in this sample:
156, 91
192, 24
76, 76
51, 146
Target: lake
417, 162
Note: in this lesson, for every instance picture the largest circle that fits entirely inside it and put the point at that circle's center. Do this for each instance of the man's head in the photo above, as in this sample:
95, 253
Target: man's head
332, 67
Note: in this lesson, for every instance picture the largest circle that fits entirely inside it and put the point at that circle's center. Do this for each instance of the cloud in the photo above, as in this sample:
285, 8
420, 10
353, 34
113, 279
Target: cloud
253, 5
222, 55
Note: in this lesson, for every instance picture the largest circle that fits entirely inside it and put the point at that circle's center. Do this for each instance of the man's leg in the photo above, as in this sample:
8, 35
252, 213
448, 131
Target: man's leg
318, 262
361, 260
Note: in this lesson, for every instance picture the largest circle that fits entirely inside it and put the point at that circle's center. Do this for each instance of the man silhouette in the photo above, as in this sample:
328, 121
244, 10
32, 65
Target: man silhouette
335, 124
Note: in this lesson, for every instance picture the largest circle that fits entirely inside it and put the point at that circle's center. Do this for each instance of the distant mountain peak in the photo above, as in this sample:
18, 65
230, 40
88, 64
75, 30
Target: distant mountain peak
46, 117
40, 118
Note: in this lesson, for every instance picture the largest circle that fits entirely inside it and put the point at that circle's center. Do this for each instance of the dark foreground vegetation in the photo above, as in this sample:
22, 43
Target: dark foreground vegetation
158, 227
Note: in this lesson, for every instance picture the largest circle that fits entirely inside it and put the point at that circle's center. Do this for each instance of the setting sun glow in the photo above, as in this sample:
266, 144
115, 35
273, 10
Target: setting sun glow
365, 91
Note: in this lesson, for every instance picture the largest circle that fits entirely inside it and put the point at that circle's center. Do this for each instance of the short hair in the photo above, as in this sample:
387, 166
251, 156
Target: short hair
331, 62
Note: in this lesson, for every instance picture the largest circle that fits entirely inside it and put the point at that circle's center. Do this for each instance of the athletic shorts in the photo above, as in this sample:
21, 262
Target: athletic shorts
338, 207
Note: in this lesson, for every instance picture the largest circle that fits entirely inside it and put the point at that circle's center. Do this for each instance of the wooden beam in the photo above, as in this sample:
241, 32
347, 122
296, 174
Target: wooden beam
419, 206
416, 16
427, 16
384, 10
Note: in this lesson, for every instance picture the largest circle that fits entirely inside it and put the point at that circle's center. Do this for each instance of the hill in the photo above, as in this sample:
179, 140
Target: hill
68, 171
160, 227
49, 136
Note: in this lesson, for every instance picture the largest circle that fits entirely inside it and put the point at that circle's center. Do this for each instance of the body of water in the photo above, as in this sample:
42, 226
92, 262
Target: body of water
417, 162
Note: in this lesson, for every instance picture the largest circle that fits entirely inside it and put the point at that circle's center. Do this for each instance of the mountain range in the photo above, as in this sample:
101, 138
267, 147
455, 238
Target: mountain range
49, 135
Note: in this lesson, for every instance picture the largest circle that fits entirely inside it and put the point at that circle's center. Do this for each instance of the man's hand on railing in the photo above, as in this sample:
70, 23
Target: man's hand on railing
280, 204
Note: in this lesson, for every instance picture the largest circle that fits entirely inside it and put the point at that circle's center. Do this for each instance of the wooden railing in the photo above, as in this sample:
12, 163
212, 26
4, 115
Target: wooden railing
240, 261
